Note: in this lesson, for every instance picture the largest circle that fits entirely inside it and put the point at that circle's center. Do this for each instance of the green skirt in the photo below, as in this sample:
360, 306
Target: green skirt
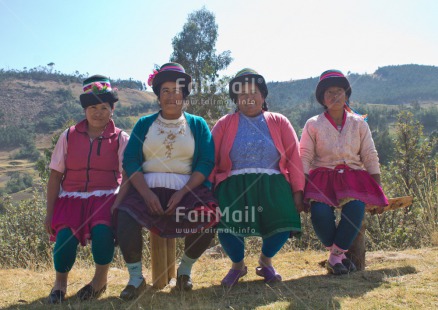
257, 205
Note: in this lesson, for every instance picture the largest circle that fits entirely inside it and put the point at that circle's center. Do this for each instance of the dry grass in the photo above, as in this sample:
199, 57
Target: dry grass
392, 280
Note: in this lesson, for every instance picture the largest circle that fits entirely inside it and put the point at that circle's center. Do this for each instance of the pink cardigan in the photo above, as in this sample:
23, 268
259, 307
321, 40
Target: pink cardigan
285, 140
323, 146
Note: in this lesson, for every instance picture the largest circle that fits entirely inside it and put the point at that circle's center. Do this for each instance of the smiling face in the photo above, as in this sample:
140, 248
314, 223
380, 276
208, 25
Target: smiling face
171, 100
335, 98
98, 115
250, 100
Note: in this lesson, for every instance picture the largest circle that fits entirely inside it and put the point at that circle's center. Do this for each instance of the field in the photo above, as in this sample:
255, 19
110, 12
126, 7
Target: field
392, 280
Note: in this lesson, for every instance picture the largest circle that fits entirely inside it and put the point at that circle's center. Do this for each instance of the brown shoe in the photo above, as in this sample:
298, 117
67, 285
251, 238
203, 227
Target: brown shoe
184, 283
88, 293
336, 269
56, 297
131, 292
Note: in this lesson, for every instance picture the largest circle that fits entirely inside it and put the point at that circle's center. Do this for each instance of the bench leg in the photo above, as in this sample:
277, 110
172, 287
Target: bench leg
357, 250
171, 259
163, 260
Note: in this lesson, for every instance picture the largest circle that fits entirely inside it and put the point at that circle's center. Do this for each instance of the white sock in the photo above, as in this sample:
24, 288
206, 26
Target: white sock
135, 274
185, 266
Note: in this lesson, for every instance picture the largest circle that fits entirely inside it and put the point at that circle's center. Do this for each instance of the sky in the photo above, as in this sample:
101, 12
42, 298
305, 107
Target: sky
282, 40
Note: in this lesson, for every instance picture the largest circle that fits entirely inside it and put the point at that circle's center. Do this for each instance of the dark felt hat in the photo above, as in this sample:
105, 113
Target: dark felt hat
170, 72
331, 78
244, 76
97, 89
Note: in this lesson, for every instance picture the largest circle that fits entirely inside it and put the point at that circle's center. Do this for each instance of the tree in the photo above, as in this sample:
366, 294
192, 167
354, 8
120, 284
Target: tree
413, 152
194, 48
51, 65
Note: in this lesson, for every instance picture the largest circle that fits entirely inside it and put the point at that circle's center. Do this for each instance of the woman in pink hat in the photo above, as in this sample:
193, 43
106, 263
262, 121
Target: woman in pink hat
342, 170
86, 171
168, 158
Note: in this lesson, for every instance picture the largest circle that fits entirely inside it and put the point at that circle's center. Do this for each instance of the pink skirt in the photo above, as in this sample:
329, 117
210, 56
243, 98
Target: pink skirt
332, 186
81, 215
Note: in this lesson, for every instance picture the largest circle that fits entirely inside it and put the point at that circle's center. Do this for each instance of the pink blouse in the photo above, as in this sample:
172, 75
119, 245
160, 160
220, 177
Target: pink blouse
322, 145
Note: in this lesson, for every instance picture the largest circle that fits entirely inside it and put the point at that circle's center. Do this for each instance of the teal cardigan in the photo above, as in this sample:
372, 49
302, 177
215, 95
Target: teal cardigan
203, 156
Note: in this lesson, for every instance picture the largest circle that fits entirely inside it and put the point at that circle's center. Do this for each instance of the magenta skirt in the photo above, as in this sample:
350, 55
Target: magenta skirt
331, 186
197, 211
81, 215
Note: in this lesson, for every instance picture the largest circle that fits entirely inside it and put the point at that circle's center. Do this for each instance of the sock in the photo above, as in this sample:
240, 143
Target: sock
135, 273
336, 255
185, 266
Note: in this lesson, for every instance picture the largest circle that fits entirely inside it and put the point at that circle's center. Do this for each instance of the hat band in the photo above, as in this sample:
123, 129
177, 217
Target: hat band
331, 74
172, 68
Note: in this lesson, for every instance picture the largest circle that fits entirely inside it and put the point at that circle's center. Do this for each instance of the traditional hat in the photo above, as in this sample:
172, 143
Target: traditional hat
97, 89
170, 72
331, 78
244, 76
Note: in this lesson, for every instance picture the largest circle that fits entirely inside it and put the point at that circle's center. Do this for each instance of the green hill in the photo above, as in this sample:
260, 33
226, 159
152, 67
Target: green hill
388, 85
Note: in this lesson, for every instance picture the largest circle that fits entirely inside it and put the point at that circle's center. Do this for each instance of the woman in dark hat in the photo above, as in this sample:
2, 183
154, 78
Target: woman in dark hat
168, 158
342, 169
258, 177
86, 171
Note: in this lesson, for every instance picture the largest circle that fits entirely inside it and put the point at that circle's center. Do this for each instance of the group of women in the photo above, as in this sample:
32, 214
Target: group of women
248, 176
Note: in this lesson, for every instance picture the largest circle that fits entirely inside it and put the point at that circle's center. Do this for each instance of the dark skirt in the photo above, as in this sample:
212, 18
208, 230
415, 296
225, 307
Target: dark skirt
197, 211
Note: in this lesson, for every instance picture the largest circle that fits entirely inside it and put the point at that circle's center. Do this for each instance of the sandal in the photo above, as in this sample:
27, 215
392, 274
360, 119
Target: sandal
233, 277
269, 273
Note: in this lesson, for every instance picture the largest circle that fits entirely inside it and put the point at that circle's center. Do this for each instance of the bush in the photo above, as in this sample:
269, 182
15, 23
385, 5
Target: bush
18, 182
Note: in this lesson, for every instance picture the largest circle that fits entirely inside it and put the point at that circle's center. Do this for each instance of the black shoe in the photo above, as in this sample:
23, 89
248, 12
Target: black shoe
56, 297
336, 269
88, 292
348, 263
132, 292
184, 283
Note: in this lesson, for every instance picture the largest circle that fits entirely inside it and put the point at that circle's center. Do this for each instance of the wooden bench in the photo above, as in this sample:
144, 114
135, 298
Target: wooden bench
163, 250
357, 250
163, 260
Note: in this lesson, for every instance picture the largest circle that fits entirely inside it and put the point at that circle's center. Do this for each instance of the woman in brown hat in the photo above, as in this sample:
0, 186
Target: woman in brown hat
258, 177
168, 158
85, 176
342, 170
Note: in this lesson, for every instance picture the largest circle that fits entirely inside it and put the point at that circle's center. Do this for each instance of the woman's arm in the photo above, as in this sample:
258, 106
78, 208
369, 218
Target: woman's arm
124, 188
205, 149
307, 147
53, 187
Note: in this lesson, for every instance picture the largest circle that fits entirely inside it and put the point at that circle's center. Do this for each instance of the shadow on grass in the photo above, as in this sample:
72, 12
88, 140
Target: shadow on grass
309, 292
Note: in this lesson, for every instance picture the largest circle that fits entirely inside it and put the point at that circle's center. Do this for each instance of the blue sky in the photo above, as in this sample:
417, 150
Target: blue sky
282, 40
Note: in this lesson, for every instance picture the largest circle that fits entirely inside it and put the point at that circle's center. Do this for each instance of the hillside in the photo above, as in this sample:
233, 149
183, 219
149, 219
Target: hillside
392, 280
34, 104
388, 85
25, 100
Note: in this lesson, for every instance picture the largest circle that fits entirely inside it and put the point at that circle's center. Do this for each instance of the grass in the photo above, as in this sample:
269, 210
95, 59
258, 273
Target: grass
392, 280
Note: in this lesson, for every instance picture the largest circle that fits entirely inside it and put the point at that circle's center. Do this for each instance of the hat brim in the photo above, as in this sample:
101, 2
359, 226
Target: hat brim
89, 99
257, 79
332, 82
172, 76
